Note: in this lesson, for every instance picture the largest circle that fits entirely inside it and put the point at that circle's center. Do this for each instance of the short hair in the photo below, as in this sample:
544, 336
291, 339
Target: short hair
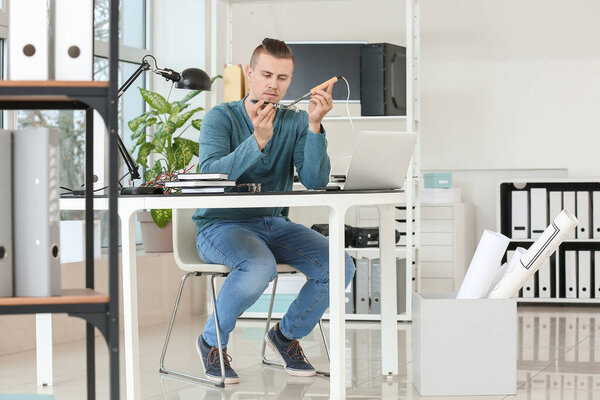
272, 47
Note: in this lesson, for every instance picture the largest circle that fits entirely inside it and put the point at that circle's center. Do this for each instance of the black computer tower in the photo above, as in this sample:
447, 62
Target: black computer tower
383, 79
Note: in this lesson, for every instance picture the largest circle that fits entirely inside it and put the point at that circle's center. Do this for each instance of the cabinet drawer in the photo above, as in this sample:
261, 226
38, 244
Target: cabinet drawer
437, 239
437, 225
433, 269
437, 285
437, 212
437, 253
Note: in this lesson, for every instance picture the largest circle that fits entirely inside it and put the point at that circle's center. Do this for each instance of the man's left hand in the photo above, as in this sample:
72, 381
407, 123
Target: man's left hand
320, 104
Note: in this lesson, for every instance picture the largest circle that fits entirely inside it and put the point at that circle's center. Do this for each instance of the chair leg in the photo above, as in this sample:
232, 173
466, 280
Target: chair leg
264, 343
324, 340
218, 331
182, 375
268, 326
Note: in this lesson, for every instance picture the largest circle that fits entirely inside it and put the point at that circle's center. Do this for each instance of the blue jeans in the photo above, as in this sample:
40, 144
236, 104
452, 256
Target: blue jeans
252, 248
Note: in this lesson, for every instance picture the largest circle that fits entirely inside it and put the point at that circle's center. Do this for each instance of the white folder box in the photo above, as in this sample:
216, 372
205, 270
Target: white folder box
571, 274
584, 264
569, 204
544, 288
36, 212
458, 344
554, 204
529, 287
597, 276
520, 215
74, 41
362, 285
570, 338
583, 215
539, 212
28, 40
6, 234
596, 215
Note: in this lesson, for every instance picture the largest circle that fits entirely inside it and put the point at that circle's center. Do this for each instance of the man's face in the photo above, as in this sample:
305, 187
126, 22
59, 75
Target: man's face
270, 78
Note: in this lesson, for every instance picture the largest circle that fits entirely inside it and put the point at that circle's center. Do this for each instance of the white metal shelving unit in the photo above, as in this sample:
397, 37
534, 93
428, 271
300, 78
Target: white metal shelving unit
411, 120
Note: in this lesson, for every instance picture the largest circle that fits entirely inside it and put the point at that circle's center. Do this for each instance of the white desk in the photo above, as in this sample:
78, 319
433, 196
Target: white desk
338, 203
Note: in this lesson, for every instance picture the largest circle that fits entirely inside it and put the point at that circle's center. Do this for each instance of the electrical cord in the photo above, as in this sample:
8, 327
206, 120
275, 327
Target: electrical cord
349, 119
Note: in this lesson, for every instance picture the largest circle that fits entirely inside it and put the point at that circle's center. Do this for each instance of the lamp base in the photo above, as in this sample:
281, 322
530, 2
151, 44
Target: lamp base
141, 190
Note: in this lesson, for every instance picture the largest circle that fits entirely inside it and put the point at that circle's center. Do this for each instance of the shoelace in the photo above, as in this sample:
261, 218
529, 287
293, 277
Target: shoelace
295, 351
213, 358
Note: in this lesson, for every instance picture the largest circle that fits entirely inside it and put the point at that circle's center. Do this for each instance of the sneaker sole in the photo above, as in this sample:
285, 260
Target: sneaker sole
290, 371
216, 379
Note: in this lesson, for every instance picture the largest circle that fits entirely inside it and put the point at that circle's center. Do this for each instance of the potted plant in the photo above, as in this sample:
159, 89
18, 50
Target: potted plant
170, 153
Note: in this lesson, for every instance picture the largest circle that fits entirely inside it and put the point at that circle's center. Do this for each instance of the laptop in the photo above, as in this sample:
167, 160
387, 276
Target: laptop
380, 161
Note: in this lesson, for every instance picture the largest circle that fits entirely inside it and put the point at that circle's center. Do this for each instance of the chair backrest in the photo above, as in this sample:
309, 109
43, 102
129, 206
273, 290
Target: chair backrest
184, 238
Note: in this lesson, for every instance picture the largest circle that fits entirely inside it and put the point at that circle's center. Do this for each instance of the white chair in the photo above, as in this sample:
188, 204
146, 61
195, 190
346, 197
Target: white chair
188, 260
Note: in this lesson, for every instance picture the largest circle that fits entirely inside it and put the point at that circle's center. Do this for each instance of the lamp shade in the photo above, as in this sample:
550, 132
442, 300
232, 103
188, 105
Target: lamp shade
194, 79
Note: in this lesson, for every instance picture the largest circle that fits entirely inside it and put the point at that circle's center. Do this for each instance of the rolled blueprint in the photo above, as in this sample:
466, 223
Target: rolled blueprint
507, 266
485, 262
535, 257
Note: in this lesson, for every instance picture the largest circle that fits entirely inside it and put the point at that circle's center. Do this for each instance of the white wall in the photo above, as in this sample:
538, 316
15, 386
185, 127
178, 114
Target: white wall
510, 84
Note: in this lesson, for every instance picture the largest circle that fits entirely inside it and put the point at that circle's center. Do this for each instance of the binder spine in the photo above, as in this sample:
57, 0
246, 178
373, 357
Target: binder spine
6, 247
37, 214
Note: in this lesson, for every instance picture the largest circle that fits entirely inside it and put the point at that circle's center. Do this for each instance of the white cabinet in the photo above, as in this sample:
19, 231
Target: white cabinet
447, 246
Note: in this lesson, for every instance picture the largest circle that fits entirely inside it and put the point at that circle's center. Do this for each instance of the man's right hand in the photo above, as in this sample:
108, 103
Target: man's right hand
262, 120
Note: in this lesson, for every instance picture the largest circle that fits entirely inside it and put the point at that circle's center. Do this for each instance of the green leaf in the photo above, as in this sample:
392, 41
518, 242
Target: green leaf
159, 143
156, 101
145, 150
190, 95
175, 109
197, 123
140, 129
214, 78
185, 150
189, 144
152, 173
182, 118
161, 217
136, 122
142, 139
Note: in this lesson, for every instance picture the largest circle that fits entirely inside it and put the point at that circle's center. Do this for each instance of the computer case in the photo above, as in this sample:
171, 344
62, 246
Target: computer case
382, 79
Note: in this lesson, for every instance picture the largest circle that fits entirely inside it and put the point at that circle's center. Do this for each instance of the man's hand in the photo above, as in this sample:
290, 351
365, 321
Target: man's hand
262, 120
320, 104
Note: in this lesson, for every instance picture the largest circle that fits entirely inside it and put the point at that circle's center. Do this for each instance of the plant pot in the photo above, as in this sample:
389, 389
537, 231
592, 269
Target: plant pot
156, 240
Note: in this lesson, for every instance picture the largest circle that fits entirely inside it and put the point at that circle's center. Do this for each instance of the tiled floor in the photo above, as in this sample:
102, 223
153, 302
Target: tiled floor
558, 359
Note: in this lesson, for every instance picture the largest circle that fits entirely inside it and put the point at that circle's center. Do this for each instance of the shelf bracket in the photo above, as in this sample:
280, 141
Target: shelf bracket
99, 320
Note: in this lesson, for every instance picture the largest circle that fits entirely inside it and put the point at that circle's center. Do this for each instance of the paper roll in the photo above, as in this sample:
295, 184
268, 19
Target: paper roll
507, 267
538, 253
485, 261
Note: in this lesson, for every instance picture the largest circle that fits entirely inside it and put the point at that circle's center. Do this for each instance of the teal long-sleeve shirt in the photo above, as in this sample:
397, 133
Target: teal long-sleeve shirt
227, 145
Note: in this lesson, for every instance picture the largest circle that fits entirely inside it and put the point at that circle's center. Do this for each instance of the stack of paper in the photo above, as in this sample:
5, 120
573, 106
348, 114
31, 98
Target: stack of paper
201, 183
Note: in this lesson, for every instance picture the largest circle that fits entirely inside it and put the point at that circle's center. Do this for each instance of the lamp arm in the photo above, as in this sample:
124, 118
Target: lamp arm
145, 66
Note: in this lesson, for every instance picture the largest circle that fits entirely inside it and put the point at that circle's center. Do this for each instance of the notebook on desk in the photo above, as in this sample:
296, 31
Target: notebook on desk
380, 161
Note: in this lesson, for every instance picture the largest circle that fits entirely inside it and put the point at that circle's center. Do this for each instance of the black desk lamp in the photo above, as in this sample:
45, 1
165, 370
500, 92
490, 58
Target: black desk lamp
191, 79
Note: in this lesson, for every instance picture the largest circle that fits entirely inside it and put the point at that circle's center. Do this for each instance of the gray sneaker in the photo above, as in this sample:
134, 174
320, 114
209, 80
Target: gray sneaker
290, 353
212, 365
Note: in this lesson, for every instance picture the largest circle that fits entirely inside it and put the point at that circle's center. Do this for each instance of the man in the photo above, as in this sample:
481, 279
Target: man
260, 144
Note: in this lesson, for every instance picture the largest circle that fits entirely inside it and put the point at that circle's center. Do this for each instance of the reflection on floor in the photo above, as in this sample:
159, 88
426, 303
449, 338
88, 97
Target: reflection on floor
557, 359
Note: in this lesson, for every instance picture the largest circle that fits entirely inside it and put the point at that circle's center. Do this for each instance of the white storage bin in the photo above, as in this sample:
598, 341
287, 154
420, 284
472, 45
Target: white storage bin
464, 347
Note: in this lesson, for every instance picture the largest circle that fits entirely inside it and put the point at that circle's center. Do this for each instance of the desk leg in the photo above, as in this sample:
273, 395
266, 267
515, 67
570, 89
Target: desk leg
43, 349
337, 339
130, 306
389, 323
